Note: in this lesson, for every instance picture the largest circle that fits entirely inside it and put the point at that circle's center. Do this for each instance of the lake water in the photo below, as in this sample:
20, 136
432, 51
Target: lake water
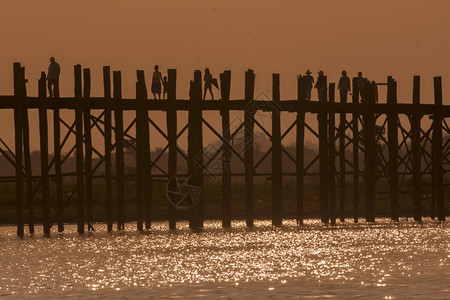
381, 261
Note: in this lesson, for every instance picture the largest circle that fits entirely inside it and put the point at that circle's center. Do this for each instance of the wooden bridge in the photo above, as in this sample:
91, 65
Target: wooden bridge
341, 126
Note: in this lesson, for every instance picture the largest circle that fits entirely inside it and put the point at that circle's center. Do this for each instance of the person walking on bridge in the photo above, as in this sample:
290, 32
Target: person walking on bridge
361, 81
344, 86
165, 87
208, 78
321, 86
156, 83
309, 80
53, 78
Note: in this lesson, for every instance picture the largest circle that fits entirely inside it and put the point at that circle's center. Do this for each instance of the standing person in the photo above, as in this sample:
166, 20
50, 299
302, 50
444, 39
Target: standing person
344, 86
208, 84
321, 86
361, 80
165, 87
309, 80
53, 78
156, 83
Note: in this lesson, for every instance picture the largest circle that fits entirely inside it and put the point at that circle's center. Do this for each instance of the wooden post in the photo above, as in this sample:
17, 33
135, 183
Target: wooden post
355, 130
172, 140
79, 149
249, 124
438, 170
277, 170
433, 187
370, 154
58, 168
88, 146
332, 156
108, 146
393, 148
300, 142
119, 136
416, 151
342, 142
18, 125
28, 172
147, 163
225, 85
195, 149
323, 163
43, 130
27, 155
140, 119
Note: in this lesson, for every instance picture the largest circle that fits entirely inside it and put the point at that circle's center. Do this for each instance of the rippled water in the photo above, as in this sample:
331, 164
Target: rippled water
406, 260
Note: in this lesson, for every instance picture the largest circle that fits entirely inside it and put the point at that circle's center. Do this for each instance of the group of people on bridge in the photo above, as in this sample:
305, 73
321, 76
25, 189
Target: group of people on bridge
160, 83
344, 86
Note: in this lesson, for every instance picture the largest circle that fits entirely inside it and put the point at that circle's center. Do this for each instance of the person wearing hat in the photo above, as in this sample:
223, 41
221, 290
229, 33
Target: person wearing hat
309, 80
321, 86
53, 78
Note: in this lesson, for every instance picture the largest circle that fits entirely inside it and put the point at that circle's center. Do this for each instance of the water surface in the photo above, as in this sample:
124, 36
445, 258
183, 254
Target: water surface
382, 261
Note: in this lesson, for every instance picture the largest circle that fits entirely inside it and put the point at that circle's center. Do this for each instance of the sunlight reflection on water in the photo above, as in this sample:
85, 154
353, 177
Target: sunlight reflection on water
382, 260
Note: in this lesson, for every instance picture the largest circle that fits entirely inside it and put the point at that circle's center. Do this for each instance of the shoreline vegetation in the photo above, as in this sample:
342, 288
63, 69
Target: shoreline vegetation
213, 189
213, 202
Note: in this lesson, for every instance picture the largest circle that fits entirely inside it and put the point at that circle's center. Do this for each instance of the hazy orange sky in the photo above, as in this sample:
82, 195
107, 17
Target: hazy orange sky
380, 38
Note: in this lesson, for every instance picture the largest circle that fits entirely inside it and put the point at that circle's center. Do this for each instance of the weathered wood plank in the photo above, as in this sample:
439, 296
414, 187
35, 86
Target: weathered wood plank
171, 118
195, 151
108, 147
79, 151
249, 124
58, 168
277, 180
43, 135
342, 177
355, 144
323, 164
147, 163
27, 156
393, 149
332, 156
438, 157
88, 147
416, 150
300, 143
370, 154
119, 137
18, 129
225, 86
140, 149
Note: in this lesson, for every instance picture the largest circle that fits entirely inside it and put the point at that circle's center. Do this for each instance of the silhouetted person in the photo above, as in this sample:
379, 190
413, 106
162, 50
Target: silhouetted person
53, 78
321, 86
375, 92
165, 87
156, 83
361, 82
309, 80
208, 84
344, 86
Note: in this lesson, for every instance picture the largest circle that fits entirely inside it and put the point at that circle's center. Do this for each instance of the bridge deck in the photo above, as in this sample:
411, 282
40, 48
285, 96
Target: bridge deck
9, 102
